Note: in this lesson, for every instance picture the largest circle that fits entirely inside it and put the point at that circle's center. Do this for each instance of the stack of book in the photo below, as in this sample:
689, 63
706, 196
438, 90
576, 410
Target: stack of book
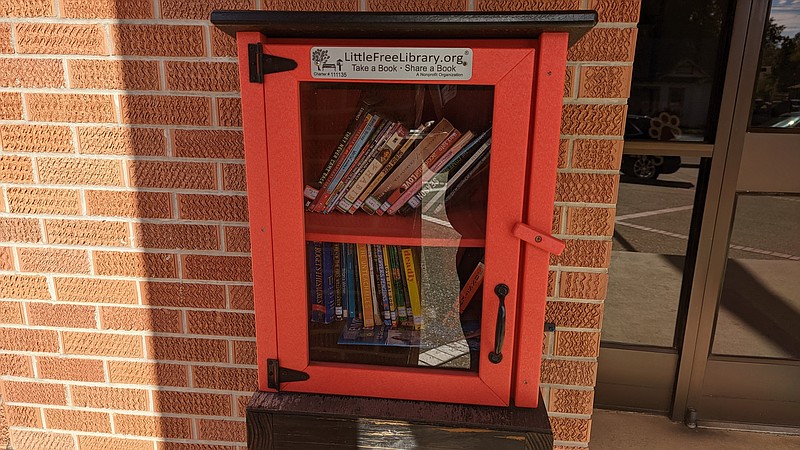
372, 284
380, 166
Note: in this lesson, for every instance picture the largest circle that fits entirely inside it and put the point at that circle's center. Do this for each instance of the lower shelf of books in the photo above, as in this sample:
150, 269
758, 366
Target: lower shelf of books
393, 305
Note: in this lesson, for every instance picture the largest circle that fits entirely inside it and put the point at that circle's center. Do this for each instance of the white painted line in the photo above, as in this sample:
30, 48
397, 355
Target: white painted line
653, 213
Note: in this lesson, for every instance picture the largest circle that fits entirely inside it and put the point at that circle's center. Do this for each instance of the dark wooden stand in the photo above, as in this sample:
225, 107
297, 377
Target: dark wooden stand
278, 421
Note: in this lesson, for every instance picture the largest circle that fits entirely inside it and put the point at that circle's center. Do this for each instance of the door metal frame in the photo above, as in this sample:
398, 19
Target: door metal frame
695, 361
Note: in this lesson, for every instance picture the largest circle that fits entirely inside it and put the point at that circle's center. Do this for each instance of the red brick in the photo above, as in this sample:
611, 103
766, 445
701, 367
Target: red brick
176, 236
569, 429
604, 44
10, 106
569, 82
15, 169
122, 141
216, 144
141, 319
195, 403
31, 73
173, 174
166, 110
158, 40
616, 10
102, 344
202, 76
222, 430
5, 39
241, 297
587, 188
185, 446
71, 107
156, 205
87, 442
109, 398
6, 259
80, 171
225, 378
147, 373
244, 352
29, 287
23, 416
20, 339
135, 264
317, 5
43, 201
95, 290
186, 349
570, 401
25, 439
577, 343
575, 373
183, 295
221, 43
199, 10
53, 260
229, 208
64, 419
223, 268
600, 154
26, 8
237, 239
574, 314
526, 5
11, 312
233, 177
584, 253
73, 369
229, 111
13, 229
16, 365
57, 315
39, 393
221, 323
241, 403
36, 138
107, 9
87, 232
605, 82
598, 120
160, 427
590, 221
114, 74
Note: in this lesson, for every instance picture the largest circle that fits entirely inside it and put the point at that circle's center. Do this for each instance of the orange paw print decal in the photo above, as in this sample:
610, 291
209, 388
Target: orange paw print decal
665, 127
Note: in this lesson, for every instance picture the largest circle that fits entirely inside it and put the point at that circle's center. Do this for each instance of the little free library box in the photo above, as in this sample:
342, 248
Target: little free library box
400, 173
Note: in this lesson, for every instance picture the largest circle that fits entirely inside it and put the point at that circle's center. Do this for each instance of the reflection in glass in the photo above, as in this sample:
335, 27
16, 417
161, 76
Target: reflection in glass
648, 254
396, 185
776, 102
759, 312
678, 59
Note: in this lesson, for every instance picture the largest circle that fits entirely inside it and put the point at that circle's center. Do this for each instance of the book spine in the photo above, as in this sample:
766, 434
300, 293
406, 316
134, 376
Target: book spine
357, 307
472, 285
387, 273
328, 281
380, 275
411, 162
399, 296
479, 167
336, 248
342, 144
472, 161
377, 317
344, 159
366, 291
318, 288
413, 286
410, 187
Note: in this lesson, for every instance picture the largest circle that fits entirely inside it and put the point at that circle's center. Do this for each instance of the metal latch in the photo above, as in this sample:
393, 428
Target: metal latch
261, 64
277, 375
536, 238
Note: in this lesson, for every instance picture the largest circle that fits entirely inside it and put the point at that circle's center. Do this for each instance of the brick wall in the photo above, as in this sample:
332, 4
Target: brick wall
124, 252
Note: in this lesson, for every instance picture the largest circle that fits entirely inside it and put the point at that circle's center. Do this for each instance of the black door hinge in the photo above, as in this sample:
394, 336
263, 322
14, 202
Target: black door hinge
277, 375
262, 64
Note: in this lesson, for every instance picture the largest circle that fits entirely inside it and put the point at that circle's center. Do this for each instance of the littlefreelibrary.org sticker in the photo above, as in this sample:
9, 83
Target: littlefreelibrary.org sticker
381, 63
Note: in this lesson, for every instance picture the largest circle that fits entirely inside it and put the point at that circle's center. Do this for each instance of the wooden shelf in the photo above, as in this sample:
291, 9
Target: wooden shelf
460, 230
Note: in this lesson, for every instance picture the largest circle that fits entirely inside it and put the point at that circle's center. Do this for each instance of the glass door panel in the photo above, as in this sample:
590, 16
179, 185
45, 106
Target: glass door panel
396, 184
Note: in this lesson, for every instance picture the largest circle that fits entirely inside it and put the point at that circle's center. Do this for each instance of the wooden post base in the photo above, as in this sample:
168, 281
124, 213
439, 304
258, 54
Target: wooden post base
283, 421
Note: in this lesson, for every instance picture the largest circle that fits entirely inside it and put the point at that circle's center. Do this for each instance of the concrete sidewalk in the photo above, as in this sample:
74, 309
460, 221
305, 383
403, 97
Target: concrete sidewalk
617, 430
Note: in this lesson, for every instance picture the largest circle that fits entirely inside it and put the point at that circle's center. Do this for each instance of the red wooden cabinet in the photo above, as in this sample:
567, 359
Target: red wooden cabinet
447, 153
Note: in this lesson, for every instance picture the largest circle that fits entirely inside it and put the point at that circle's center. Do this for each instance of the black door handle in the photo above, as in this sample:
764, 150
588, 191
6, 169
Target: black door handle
500, 328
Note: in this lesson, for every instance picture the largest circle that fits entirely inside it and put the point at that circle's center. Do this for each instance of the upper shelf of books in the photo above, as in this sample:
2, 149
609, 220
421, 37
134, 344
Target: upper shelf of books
401, 164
